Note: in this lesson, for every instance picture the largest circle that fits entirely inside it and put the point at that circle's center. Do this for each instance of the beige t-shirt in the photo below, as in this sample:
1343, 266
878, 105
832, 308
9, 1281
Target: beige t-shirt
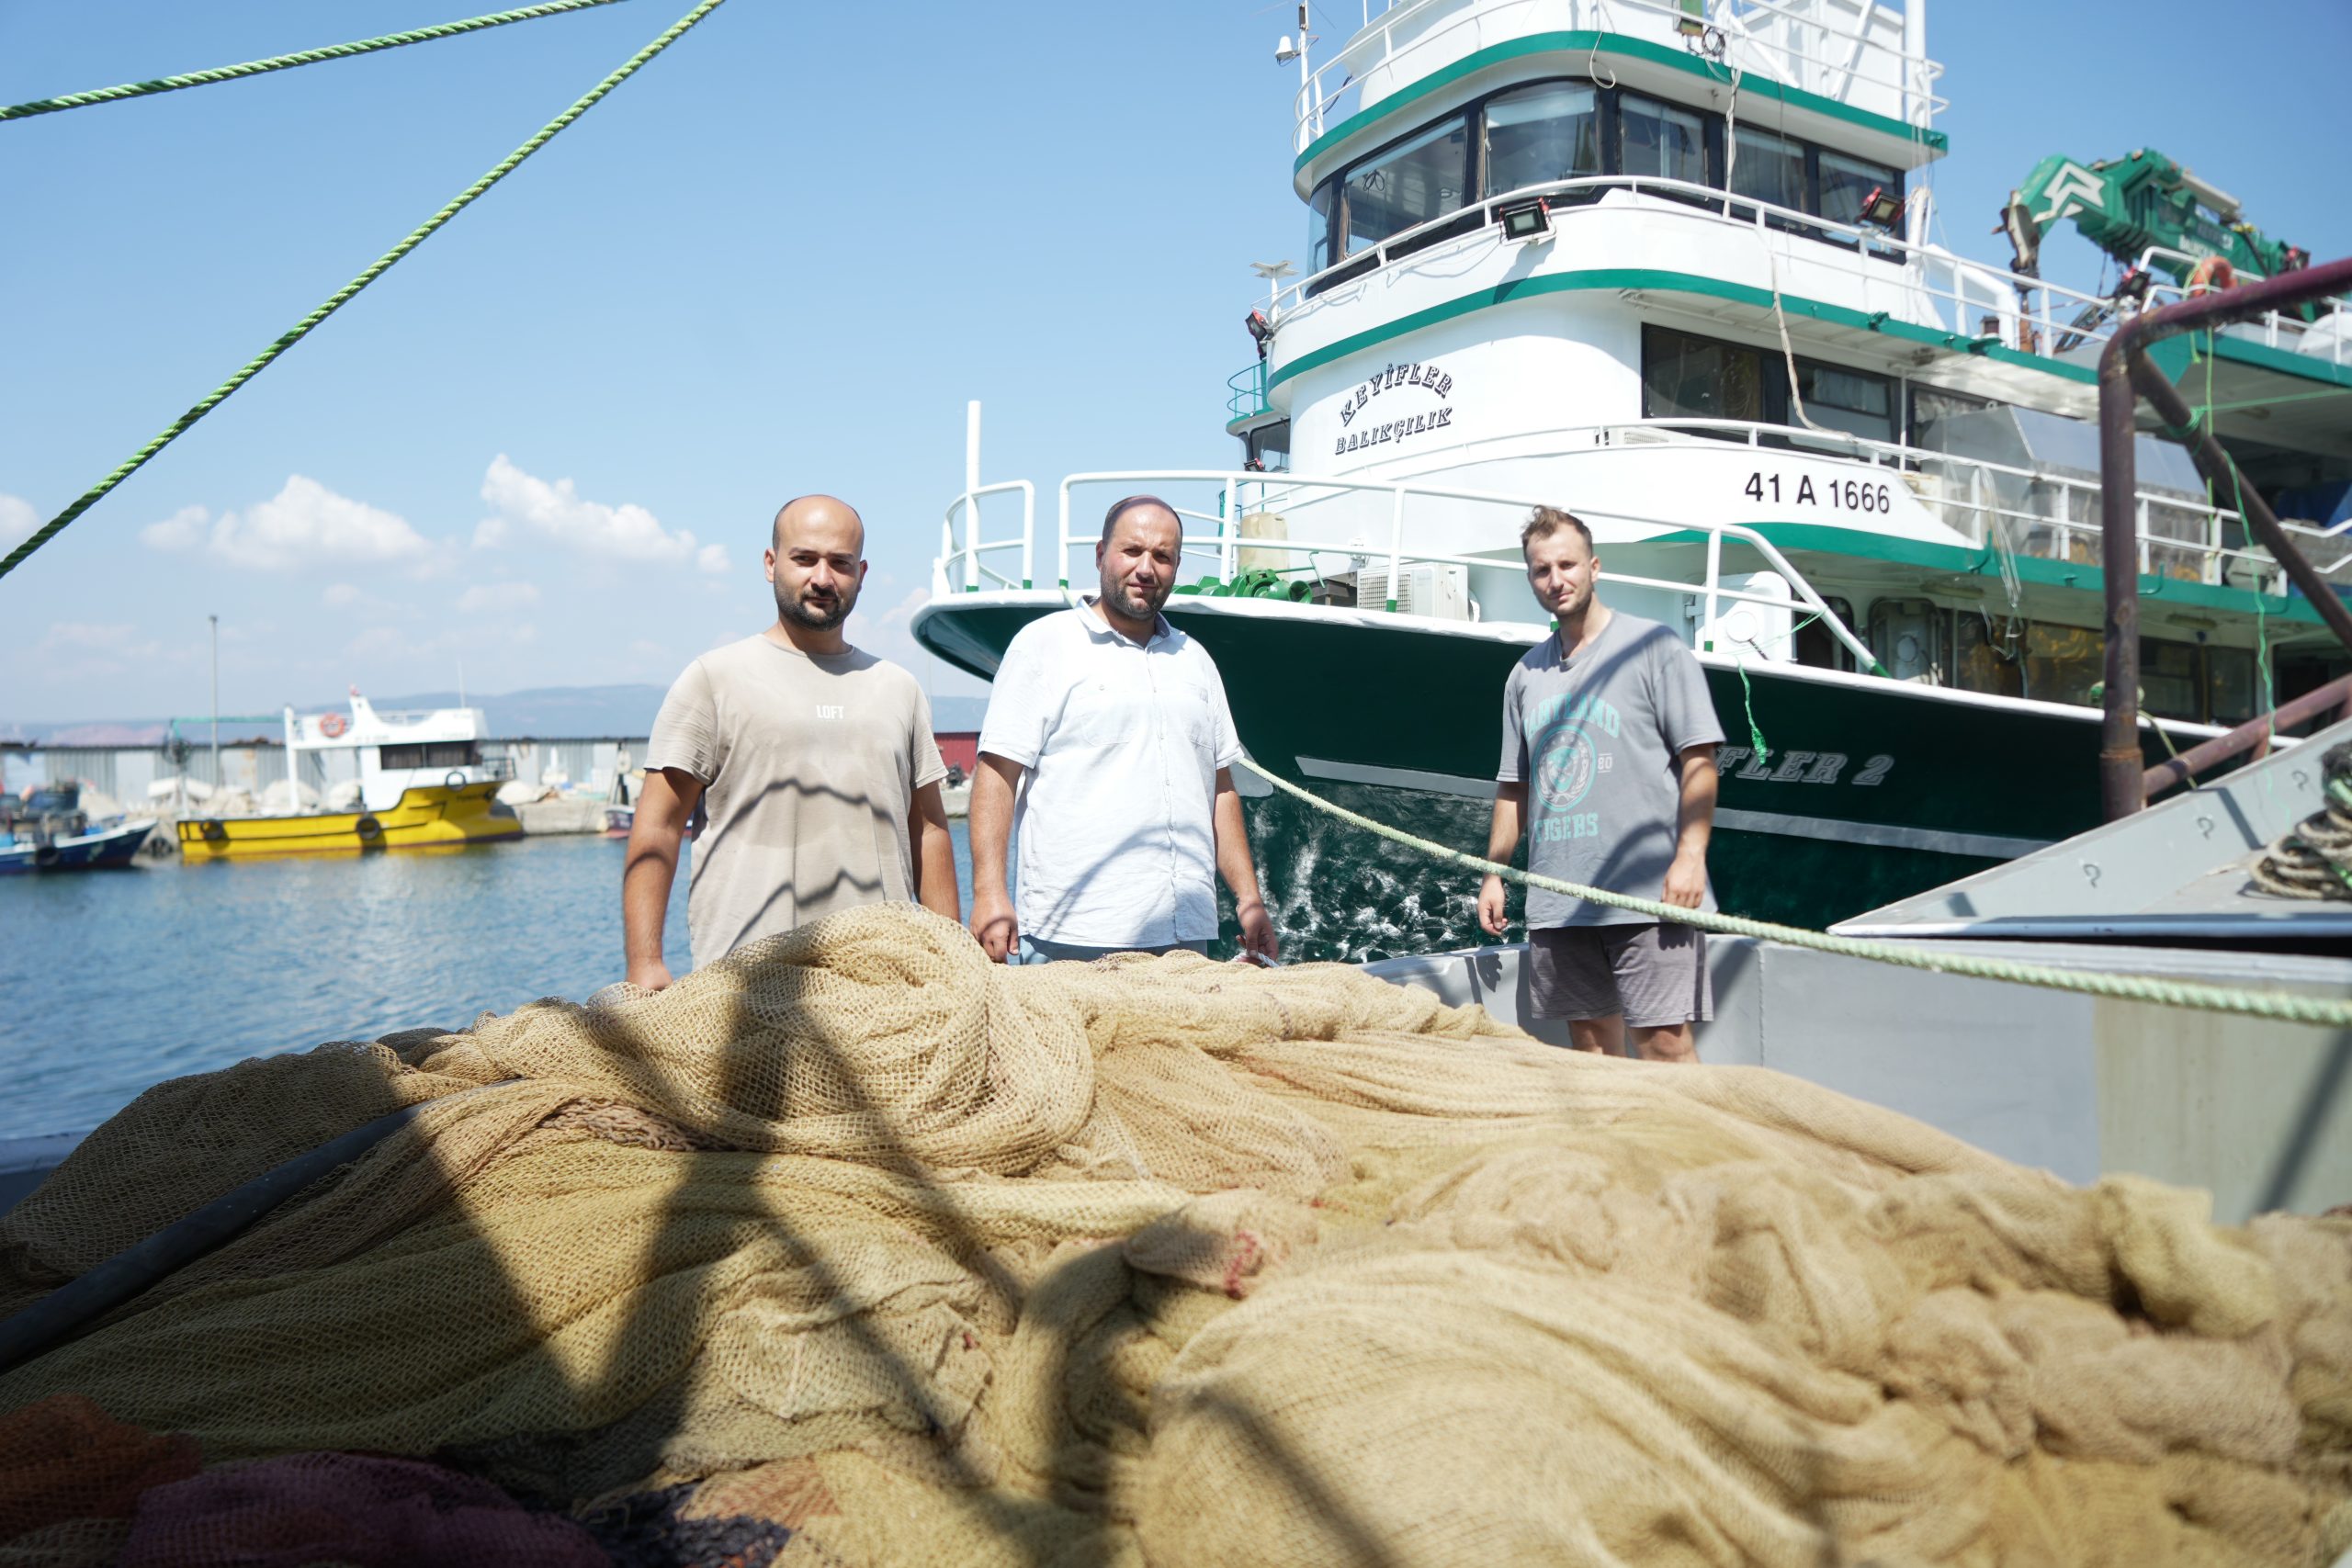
809, 764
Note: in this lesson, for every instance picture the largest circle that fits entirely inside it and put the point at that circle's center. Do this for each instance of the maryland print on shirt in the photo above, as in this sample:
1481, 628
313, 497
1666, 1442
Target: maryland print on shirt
1570, 755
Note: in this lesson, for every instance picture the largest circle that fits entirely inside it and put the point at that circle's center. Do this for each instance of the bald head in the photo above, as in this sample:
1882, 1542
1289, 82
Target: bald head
823, 517
816, 559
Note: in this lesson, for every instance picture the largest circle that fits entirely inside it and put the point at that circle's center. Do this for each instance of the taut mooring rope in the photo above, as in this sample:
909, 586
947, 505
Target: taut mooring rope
2283, 1005
281, 61
334, 302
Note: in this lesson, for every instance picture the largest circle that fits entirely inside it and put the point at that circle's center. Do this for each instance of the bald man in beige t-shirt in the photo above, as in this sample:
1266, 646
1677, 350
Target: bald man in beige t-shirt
814, 764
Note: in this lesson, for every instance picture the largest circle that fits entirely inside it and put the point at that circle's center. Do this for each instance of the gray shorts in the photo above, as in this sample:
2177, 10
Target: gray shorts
1035, 950
1655, 974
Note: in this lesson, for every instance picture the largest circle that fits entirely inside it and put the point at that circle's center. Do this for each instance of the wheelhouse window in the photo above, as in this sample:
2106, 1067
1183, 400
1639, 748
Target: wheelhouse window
1422, 177
1267, 448
1852, 400
1659, 140
1846, 183
1685, 376
433, 754
1769, 167
1549, 131
1568, 128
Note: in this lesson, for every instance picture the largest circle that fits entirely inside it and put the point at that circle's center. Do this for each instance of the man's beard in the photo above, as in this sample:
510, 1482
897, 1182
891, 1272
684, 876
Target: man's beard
1132, 603
817, 615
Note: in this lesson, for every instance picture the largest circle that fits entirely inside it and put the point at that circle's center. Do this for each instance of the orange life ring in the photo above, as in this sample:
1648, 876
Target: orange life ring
332, 724
2212, 272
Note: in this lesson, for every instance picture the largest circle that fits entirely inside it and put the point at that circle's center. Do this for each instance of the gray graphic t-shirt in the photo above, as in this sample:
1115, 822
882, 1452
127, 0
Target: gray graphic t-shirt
1594, 738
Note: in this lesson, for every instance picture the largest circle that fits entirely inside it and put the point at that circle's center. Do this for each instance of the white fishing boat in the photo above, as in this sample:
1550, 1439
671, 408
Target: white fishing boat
1666, 263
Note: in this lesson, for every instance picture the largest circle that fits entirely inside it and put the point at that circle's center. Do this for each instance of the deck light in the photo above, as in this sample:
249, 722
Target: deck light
1260, 329
1526, 219
1882, 208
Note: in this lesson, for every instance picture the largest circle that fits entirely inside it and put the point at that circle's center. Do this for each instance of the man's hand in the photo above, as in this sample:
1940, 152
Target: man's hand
993, 922
651, 976
1685, 880
1258, 937
1491, 910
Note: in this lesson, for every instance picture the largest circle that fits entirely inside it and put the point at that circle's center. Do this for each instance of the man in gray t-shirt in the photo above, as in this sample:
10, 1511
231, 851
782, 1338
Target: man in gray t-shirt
813, 763
1609, 761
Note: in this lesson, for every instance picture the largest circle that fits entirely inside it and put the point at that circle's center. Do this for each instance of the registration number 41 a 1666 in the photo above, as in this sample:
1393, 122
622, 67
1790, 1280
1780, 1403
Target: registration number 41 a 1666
1836, 495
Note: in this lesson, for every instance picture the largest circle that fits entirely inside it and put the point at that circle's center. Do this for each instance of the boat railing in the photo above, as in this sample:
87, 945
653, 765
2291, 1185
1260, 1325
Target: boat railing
1247, 392
1974, 304
2179, 537
1789, 41
962, 569
975, 571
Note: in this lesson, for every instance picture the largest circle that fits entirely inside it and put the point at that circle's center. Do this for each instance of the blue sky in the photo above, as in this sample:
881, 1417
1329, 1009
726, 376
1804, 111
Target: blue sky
778, 260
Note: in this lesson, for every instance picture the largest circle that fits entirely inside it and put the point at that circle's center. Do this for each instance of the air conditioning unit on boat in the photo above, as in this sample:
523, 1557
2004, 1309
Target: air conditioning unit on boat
1440, 591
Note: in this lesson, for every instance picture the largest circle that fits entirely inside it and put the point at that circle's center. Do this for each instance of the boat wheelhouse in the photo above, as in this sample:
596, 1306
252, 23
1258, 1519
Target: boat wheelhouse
411, 781
1668, 265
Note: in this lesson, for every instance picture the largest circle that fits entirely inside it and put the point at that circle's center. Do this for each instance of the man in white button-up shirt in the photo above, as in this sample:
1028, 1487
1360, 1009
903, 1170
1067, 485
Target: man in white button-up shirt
1108, 743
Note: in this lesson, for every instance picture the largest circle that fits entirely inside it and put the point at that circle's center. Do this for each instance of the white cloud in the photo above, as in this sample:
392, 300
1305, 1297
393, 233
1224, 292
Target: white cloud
484, 596
92, 647
18, 520
555, 510
304, 524
337, 593
183, 530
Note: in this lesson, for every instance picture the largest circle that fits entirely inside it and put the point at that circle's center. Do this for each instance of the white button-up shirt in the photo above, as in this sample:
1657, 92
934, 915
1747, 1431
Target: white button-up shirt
1122, 742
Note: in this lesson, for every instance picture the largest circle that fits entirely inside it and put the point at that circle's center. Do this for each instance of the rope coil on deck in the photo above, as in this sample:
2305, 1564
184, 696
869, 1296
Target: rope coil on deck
2280, 1006
2314, 859
283, 61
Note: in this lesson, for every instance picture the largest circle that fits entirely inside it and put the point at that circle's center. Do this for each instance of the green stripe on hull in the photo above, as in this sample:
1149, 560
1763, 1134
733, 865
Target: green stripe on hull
1867, 792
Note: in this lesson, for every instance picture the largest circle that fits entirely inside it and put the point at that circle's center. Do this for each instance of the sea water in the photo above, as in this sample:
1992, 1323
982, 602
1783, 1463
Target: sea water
113, 981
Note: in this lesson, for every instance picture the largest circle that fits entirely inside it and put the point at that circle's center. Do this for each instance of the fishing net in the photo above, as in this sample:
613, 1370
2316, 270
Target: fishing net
855, 1248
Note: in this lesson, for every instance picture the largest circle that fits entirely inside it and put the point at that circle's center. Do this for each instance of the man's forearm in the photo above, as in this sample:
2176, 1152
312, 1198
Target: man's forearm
1233, 859
1696, 822
1503, 829
645, 896
936, 858
989, 821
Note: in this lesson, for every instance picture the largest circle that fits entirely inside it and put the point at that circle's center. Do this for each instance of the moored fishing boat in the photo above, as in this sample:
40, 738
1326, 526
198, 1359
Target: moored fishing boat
417, 781
1669, 267
50, 831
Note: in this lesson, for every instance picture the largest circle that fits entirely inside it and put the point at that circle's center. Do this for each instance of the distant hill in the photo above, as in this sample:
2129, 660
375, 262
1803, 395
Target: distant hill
546, 713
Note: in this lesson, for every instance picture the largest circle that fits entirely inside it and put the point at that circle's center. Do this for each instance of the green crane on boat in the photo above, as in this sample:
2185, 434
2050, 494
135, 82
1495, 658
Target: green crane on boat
2141, 205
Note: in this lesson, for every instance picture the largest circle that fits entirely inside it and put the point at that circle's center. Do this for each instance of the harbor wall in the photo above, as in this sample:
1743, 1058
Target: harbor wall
589, 764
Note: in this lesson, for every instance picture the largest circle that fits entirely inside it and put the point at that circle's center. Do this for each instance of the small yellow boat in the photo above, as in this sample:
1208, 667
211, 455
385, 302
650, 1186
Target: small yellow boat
418, 781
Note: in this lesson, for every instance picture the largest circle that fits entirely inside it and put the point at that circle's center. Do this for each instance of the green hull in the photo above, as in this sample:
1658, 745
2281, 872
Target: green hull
1870, 791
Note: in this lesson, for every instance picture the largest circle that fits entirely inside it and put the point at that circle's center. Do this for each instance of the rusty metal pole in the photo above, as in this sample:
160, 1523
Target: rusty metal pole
2123, 371
2120, 764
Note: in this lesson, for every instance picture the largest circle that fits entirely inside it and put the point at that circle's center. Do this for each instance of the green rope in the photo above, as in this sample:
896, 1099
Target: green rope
2284, 1007
280, 61
375, 269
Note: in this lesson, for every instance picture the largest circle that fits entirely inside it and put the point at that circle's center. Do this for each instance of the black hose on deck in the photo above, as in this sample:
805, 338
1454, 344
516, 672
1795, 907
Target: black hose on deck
140, 1265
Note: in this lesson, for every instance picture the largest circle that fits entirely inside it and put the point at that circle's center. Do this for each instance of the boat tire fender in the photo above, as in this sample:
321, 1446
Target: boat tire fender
368, 829
44, 854
71, 1307
455, 779
214, 832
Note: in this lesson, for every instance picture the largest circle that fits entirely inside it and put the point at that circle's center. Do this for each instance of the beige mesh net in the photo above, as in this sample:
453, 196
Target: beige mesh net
1158, 1260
